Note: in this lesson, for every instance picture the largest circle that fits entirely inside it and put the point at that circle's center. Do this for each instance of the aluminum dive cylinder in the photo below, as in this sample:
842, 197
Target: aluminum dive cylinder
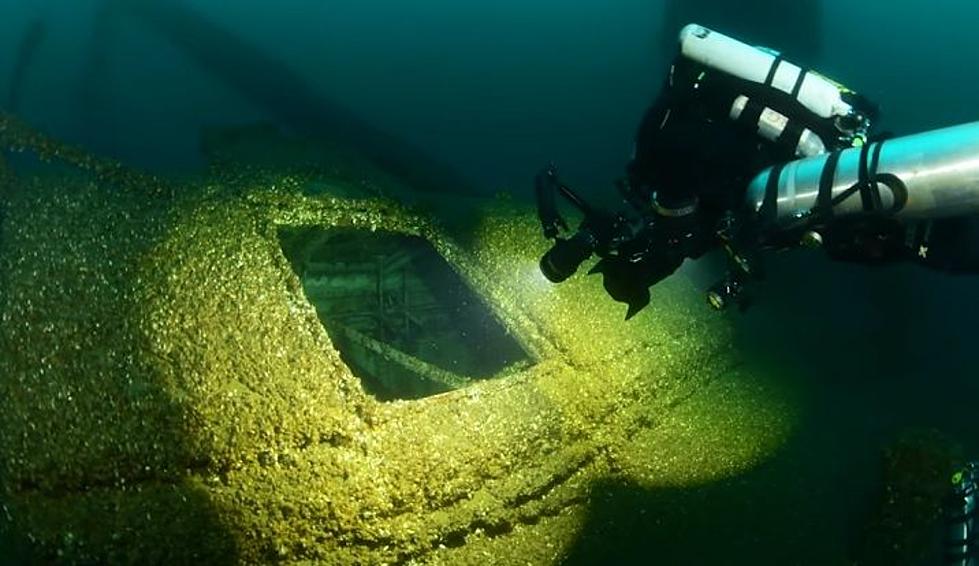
923, 176
718, 51
771, 125
960, 518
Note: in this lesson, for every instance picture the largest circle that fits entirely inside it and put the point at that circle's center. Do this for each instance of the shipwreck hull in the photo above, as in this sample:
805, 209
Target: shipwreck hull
168, 393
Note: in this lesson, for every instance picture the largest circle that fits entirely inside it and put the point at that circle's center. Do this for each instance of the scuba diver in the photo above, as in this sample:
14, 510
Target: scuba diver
745, 151
960, 540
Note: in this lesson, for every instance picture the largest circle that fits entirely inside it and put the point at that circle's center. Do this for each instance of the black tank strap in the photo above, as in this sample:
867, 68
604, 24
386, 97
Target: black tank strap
874, 176
751, 114
769, 206
791, 135
824, 198
899, 191
773, 69
797, 88
868, 181
863, 184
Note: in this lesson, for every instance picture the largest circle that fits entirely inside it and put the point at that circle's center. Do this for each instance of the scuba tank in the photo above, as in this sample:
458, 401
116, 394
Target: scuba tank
718, 51
961, 544
926, 176
799, 109
771, 125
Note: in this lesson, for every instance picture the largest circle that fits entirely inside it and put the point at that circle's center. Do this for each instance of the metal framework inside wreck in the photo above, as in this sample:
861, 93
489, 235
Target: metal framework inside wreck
403, 320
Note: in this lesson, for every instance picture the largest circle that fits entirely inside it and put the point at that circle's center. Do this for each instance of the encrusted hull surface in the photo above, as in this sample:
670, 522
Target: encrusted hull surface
167, 393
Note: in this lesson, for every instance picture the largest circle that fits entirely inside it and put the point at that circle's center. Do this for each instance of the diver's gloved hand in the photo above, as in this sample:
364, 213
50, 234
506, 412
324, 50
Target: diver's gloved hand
627, 279
651, 256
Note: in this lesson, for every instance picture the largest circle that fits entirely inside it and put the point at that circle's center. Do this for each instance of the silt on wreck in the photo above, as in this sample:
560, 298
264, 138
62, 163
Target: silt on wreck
168, 392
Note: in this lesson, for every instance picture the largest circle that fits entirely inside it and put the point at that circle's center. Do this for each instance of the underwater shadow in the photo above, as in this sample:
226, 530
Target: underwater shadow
713, 524
827, 498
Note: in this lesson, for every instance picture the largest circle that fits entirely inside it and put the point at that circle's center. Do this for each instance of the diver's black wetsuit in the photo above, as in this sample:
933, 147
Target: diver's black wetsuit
685, 151
691, 161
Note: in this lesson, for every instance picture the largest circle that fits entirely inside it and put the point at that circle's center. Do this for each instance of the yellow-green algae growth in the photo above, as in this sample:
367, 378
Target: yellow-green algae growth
168, 395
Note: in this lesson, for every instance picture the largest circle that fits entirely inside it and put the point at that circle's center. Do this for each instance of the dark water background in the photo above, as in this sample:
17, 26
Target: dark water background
495, 89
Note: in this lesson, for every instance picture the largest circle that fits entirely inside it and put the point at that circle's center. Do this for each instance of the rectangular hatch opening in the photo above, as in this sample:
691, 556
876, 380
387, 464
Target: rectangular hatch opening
403, 320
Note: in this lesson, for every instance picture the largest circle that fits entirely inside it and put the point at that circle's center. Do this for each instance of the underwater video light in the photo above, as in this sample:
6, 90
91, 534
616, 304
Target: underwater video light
567, 255
634, 252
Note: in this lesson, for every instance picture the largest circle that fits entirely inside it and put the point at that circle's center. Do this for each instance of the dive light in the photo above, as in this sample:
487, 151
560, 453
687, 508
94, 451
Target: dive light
567, 255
